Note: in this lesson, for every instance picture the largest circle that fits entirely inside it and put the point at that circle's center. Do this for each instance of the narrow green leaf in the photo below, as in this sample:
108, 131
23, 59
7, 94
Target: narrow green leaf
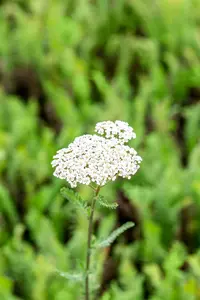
104, 203
74, 198
7, 206
110, 239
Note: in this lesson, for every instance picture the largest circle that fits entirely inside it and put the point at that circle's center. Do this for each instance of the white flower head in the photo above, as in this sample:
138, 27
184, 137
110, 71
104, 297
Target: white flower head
98, 159
118, 130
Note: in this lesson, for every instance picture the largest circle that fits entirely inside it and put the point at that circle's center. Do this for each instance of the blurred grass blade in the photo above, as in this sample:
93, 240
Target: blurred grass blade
7, 206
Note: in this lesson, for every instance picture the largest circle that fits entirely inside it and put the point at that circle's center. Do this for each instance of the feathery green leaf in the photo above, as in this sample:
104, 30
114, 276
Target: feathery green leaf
71, 276
104, 203
110, 239
74, 198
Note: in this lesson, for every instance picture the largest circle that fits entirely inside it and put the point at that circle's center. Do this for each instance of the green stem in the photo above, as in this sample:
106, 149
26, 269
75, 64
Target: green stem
90, 227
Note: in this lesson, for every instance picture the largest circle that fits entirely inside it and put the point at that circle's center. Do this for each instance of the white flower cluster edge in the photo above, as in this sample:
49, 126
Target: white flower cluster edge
98, 158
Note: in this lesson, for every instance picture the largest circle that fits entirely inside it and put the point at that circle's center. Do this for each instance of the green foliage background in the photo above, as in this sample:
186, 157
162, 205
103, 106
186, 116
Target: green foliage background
64, 65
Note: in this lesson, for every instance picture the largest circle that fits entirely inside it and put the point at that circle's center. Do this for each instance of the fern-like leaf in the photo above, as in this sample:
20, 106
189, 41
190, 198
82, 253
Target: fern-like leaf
101, 201
74, 198
71, 276
112, 237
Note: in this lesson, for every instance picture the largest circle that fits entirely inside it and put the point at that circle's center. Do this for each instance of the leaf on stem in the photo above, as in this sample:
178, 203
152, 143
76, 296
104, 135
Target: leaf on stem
104, 203
71, 276
112, 237
74, 198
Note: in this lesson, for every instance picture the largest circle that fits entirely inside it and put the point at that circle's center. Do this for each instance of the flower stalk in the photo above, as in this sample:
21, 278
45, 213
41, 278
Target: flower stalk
88, 255
94, 160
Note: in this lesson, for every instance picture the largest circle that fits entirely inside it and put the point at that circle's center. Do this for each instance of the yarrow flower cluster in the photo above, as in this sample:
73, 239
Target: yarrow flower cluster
98, 159
120, 131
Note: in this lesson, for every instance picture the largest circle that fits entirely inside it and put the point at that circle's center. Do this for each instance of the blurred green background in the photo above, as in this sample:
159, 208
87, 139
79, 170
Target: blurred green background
64, 66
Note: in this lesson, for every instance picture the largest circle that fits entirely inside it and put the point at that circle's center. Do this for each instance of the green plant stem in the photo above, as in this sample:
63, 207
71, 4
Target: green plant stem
90, 227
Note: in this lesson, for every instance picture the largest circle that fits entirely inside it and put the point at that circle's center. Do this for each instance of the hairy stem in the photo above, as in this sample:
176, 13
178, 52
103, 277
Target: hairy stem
87, 291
